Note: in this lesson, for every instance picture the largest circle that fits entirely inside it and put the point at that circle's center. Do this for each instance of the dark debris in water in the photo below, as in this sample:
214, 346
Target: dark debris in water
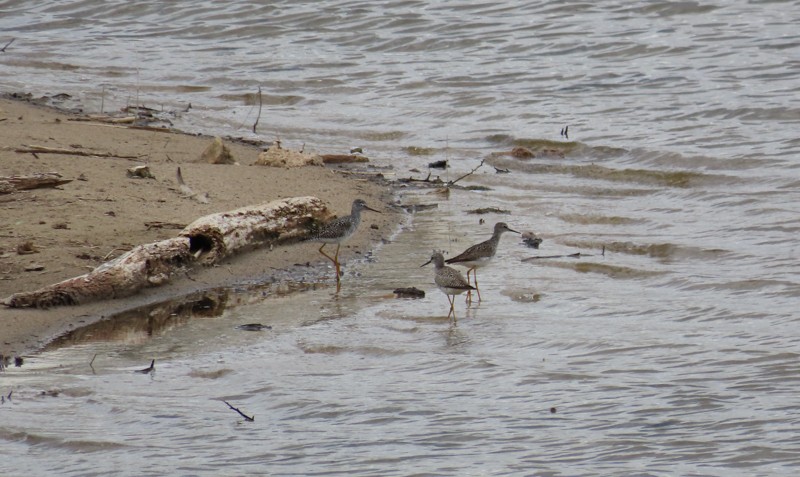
531, 240
412, 292
149, 369
253, 327
418, 207
488, 210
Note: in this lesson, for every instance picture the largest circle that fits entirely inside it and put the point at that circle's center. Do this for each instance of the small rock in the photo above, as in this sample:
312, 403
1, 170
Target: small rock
34, 267
26, 248
217, 153
140, 172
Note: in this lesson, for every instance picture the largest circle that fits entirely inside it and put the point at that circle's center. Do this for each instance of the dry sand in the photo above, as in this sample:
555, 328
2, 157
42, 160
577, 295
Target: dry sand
102, 213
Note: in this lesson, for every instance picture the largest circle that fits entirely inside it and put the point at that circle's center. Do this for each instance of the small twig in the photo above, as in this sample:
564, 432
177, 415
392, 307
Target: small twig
248, 418
501, 171
467, 174
92, 362
573, 255
259, 110
149, 369
3, 49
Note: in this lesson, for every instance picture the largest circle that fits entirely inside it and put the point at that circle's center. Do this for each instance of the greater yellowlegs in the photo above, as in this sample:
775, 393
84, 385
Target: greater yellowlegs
340, 229
448, 280
480, 254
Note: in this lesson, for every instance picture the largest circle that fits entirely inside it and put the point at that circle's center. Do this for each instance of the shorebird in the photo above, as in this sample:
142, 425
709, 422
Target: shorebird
479, 255
449, 281
340, 229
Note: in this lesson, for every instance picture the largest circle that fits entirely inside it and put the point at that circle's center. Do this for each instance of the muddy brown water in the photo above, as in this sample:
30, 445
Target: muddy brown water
670, 347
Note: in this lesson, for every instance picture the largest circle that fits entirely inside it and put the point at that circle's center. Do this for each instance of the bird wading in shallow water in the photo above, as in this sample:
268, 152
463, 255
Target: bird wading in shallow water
448, 280
338, 230
479, 255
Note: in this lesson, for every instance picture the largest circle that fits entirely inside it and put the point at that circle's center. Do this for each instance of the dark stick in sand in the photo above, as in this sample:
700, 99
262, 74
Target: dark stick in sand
248, 418
259, 110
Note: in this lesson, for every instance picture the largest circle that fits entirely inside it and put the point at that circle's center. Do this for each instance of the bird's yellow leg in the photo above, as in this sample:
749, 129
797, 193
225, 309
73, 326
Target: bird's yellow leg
475, 277
325, 254
336, 262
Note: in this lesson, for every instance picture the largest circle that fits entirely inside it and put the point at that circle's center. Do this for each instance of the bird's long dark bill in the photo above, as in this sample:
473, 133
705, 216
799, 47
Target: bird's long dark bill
429, 261
512, 230
370, 208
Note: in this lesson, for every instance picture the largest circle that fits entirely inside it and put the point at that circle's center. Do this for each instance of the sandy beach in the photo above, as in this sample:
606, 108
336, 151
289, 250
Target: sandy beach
54, 233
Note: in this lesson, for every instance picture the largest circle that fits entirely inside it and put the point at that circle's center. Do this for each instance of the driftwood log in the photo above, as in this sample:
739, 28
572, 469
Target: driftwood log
11, 184
343, 158
216, 236
143, 266
205, 241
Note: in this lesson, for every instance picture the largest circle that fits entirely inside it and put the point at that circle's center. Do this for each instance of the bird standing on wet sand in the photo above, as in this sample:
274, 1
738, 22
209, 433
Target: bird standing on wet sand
448, 280
479, 255
340, 229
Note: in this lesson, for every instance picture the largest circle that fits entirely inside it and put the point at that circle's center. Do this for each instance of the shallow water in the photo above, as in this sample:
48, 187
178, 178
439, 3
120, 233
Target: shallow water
670, 347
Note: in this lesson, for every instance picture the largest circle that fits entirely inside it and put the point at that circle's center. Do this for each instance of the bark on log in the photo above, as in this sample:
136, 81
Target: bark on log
34, 181
343, 158
206, 241
145, 265
219, 235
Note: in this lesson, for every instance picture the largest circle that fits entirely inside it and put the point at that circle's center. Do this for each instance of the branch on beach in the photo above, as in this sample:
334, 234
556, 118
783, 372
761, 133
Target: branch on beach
248, 418
467, 174
11, 184
206, 241
436, 180
73, 152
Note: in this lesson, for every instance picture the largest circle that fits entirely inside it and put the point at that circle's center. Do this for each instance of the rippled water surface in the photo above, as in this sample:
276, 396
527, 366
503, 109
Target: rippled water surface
668, 347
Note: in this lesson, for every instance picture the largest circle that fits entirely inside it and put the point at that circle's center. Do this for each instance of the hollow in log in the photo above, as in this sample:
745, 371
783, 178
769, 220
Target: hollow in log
219, 235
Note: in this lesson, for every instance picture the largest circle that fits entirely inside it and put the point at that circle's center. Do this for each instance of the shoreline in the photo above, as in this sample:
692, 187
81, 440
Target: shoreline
51, 234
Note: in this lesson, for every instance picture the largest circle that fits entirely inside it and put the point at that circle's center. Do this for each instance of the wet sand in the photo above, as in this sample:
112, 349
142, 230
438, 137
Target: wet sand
51, 234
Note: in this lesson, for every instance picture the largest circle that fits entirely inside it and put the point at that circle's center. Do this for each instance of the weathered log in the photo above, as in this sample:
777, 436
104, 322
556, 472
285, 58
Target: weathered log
219, 235
343, 158
206, 241
74, 152
144, 266
34, 181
